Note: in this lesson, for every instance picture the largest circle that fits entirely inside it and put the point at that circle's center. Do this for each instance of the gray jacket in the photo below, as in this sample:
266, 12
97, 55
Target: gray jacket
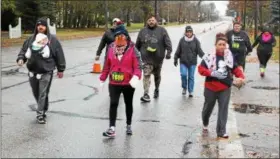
160, 40
187, 51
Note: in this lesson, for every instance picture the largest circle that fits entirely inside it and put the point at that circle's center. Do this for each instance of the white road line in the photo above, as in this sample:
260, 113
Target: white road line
231, 148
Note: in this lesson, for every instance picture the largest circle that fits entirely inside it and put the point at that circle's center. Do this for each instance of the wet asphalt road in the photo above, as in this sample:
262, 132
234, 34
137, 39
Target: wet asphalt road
167, 127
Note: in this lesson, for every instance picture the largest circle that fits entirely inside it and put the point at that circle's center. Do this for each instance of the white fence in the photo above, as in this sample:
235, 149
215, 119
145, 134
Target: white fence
51, 28
16, 31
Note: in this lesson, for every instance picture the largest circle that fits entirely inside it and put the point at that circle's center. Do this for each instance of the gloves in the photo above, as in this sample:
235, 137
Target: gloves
168, 56
101, 86
60, 74
218, 75
134, 81
97, 58
175, 63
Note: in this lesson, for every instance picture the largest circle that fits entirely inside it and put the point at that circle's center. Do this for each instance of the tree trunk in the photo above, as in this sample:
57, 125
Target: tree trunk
128, 17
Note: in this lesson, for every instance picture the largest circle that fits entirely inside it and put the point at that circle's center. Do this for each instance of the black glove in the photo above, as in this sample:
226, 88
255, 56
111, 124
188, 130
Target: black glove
168, 56
175, 63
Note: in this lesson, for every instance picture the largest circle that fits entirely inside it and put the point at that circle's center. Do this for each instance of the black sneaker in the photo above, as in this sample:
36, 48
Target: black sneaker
190, 95
156, 93
145, 98
184, 92
109, 133
128, 130
41, 119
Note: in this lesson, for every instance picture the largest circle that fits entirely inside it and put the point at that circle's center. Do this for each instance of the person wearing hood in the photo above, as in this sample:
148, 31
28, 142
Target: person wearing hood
107, 38
152, 42
239, 44
123, 66
266, 41
187, 51
42, 53
219, 67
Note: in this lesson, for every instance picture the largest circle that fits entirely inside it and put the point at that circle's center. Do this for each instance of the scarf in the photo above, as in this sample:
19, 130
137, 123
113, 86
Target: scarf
189, 39
210, 60
266, 37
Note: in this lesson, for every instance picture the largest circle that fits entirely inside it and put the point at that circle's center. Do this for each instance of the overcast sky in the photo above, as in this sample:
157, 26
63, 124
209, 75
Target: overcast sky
221, 6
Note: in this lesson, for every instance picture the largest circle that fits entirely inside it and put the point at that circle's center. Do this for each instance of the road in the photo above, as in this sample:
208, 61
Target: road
167, 127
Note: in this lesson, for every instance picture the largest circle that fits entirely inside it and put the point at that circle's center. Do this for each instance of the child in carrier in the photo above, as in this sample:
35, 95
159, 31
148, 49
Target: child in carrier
41, 47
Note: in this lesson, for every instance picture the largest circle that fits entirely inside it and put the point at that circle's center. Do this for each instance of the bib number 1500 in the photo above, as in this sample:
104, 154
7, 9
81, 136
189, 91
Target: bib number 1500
117, 76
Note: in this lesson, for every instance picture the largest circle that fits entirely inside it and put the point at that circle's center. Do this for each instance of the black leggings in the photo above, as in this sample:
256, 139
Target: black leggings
115, 92
263, 58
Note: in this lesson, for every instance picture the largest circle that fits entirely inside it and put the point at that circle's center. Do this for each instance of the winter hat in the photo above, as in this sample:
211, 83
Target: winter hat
40, 37
116, 20
42, 22
188, 28
120, 29
120, 40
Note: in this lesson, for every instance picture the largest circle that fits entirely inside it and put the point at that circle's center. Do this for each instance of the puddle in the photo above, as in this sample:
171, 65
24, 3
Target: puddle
265, 87
254, 108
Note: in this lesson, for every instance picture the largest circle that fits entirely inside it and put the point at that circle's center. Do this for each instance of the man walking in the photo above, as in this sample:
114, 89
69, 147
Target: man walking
152, 42
43, 53
239, 44
108, 38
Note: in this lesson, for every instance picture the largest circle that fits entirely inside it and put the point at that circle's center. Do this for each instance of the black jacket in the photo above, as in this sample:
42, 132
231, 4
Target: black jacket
37, 63
265, 47
107, 39
161, 41
242, 39
187, 51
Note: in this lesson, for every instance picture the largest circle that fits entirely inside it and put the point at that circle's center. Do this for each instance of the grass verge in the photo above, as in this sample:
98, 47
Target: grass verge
70, 34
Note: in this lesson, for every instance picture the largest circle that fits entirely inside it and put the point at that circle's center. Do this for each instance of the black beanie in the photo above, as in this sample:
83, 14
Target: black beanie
42, 22
189, 28
120, 29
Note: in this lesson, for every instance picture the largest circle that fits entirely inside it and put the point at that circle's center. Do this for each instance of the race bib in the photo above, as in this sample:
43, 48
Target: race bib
235, 45
117, 76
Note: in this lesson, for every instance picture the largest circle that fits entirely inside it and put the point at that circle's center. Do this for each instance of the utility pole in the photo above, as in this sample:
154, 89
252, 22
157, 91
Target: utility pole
168, 11
156, 10
244, 17
256, 18
106, 14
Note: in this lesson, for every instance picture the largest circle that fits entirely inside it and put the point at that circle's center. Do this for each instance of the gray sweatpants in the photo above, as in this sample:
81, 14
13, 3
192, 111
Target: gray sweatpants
223, 98
40, 89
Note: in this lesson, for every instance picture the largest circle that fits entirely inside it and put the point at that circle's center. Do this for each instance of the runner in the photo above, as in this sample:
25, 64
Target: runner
266, 43
218, 68
123, 65
239, 44
187, 51
152, 42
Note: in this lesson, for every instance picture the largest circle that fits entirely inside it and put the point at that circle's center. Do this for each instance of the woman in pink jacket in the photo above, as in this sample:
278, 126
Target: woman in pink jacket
123, 66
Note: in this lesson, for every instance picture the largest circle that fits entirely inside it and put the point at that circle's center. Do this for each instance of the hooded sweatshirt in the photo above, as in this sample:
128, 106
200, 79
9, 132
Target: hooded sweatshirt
39, 64
222, 63
239, 43
152, 43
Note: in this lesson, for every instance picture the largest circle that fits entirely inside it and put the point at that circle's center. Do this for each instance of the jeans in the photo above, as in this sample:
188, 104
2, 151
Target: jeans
187, 76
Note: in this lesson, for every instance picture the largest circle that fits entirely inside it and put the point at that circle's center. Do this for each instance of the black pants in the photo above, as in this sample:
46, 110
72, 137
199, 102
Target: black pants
115, 92
40, 89
263, 58
240, 59
223, 98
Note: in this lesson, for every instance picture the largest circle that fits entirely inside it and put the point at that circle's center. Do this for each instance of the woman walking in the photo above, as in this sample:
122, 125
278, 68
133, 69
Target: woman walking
266, 43
187, 51
218, 67
123, 66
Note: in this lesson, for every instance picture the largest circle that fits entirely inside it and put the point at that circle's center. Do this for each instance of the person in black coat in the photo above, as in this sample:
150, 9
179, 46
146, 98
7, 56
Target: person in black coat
266, 41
